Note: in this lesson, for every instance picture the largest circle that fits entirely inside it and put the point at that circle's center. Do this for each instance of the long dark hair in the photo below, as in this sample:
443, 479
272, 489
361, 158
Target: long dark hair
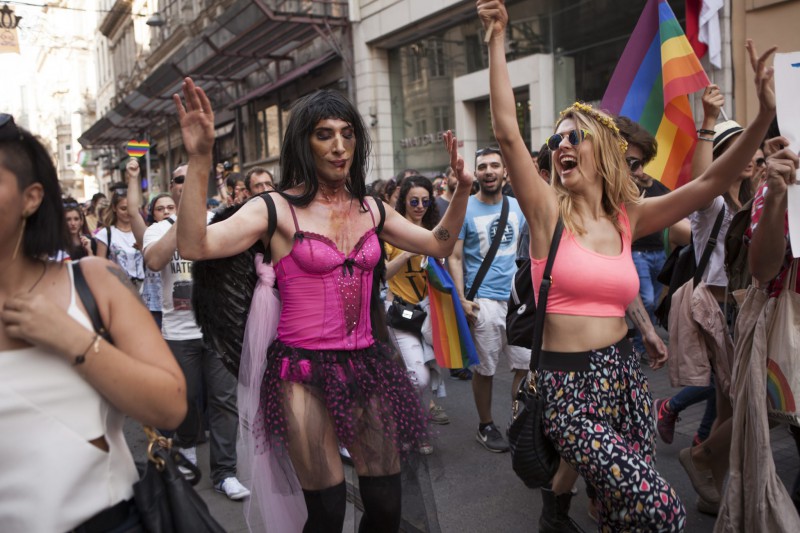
297, 161
76, 251
24, 156
431, 215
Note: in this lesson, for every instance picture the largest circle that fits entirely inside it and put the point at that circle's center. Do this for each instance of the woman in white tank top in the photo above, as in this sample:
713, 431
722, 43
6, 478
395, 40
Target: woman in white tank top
63, 389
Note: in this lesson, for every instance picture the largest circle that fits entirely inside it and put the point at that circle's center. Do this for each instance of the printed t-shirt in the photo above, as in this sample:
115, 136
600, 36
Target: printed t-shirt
123, 251
411, 282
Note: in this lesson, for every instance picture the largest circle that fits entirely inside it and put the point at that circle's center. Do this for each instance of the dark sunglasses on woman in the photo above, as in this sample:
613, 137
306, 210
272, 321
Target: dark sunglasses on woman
634, 164
415, 202
574, 137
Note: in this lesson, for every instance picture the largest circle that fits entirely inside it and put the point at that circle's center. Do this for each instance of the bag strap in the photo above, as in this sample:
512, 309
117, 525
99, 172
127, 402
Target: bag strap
541, 302
108, 239
710, 245
88, 301
487, 261
272, 220
382, 217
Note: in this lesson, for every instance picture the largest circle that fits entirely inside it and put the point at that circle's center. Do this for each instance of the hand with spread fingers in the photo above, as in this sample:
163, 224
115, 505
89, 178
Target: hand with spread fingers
765, 76
465, 177
196, 118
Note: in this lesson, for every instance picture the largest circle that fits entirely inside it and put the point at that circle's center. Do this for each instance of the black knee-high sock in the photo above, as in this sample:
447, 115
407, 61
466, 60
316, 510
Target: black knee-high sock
381, 496
326, 509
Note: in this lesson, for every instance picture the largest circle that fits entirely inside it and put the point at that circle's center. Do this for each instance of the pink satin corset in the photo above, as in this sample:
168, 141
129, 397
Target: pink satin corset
325, 294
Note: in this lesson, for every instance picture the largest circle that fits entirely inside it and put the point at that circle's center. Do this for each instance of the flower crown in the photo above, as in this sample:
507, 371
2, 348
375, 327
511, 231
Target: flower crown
605, 120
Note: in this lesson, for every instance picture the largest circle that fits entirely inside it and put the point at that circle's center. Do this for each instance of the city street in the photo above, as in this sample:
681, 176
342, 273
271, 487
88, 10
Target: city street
476, 491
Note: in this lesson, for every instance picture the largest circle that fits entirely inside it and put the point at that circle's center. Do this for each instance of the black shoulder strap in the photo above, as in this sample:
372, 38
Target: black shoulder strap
272, 220
541, 302
710, 245
88, 301
487, 261
108, 243
382, 217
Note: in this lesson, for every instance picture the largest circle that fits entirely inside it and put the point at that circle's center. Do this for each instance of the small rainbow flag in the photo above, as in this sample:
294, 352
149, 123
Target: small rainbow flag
138, 148
656, 72
452, 340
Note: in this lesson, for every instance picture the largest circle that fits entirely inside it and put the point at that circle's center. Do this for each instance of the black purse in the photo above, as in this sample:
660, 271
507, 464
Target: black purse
165, 500
405, 316
521, 307
533, 457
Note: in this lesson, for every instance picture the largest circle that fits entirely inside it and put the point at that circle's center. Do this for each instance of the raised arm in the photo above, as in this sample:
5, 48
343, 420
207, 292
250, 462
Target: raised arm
654, 214
537, 200
713, 100
768, 245
440, 241
132, 173
231, 236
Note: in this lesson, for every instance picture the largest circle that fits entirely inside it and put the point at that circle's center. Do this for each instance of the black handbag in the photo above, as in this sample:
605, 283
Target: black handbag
405, 316
521, 307
165, 500
533, 456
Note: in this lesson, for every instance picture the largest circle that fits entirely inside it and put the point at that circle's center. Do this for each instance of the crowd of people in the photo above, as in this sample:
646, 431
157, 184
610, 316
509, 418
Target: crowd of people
349, 371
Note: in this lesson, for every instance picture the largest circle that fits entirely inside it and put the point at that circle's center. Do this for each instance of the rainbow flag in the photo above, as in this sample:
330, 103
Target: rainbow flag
656, 72
452, 340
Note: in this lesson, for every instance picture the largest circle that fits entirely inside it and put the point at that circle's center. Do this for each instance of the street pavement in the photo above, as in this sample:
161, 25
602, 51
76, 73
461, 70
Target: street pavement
476, 491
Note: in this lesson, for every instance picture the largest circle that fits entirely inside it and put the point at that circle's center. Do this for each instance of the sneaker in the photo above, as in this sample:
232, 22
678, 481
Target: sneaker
438, 415
191, 456
463, 374
426, 448
491, 439
666, 420
706, 507
231, 488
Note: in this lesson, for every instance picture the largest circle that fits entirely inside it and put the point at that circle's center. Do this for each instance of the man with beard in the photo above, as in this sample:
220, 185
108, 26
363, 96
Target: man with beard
487, 312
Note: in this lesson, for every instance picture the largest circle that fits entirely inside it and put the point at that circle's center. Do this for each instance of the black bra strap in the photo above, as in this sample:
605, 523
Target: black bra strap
272, 220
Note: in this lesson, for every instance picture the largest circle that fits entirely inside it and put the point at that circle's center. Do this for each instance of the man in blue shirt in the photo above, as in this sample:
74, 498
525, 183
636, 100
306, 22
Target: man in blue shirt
487, 313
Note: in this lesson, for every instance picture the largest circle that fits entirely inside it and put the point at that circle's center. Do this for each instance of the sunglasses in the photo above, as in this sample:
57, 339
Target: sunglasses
414, 202
71, 204
634, 164
574, 137
122, 193
178, 179
8, 129
761, 162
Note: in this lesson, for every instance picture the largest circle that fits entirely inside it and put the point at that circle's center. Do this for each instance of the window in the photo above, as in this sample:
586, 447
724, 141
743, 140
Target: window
67, 155
414, 64
268, 133
476, 53
436, 59
420, 124
441, 118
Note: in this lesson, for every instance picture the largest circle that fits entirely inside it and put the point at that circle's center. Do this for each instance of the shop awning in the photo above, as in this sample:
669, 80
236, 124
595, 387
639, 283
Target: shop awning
245, 38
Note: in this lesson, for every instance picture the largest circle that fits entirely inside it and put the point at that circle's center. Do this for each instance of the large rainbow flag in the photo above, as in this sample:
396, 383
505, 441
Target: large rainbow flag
452, 340
656, 72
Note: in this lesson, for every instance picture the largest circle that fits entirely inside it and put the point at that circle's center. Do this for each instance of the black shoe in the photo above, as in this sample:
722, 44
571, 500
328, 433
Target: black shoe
491, 439
555, 513
462, 374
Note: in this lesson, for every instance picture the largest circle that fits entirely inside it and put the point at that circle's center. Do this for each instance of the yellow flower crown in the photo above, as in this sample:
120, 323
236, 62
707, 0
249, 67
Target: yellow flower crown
606, 121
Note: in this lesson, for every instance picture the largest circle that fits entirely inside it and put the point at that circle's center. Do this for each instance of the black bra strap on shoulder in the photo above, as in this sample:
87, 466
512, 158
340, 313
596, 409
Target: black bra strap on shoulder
272, 215
87, 299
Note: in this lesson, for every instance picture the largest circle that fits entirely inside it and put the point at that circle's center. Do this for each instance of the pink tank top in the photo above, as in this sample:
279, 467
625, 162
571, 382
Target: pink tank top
586, 283
325, 294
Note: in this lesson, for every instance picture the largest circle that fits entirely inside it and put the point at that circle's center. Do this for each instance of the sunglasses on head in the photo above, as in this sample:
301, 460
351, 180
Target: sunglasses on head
414, 202
178, 179
488, 150
8, 129
71, 204
574, 137
761, 162
634, 164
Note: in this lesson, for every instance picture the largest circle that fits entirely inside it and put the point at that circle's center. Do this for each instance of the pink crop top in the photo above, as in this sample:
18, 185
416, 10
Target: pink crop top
586, 283
325, 294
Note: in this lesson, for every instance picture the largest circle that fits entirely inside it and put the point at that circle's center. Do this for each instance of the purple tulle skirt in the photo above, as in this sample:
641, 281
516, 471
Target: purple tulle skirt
367, 395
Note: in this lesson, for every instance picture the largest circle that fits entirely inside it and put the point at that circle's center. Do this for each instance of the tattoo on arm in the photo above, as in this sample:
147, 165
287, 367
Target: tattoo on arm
124, 279
441, 233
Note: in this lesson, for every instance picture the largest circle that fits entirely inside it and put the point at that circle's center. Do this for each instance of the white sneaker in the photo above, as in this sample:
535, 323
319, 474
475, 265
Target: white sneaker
191, 456
231, 488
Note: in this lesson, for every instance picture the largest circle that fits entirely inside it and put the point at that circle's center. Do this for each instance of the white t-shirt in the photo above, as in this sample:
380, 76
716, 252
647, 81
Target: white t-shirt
177, 322
702, 224
123, 251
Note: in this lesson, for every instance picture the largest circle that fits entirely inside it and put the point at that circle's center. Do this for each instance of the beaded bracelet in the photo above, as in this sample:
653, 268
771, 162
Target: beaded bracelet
94, 345
706, 132
705, 139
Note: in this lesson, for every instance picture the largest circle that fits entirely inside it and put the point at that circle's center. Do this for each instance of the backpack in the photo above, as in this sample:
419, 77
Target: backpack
521, 307
681, 266
736, 265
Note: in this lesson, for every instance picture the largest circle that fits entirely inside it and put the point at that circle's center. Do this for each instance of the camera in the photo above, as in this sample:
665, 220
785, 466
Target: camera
227, 165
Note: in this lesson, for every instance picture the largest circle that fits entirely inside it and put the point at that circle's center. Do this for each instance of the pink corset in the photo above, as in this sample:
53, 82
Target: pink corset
325, 294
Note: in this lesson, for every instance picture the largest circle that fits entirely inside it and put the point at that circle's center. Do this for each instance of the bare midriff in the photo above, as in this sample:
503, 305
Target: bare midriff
568, 333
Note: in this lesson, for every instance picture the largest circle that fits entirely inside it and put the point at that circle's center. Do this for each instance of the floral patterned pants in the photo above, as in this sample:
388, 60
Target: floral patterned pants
600, 421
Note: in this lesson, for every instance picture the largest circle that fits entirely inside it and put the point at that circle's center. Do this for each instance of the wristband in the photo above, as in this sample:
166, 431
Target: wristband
706, 132
94, 345
699, 138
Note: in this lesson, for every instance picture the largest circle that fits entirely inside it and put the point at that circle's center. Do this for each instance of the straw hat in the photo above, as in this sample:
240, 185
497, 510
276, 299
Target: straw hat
723, 132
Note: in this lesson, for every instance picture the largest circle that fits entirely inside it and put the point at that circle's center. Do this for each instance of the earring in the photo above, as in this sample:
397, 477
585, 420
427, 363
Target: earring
19, 239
